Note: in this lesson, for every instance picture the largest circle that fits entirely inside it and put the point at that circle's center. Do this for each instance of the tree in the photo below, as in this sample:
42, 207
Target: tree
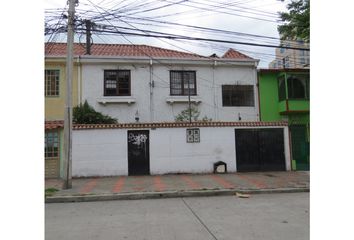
296, 21
85, 114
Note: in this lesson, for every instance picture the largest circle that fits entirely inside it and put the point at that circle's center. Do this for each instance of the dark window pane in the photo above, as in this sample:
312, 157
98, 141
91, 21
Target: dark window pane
183, 83
281, 84
296, 88
116, 82
237, 95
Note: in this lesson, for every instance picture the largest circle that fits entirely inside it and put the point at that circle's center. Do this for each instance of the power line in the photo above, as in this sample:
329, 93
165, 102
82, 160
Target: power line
174, 36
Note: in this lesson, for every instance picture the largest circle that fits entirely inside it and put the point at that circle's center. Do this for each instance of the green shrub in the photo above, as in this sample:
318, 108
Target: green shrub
85, 114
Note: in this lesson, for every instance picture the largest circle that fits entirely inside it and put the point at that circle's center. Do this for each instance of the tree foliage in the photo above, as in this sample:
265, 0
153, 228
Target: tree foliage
85, 114
296, 21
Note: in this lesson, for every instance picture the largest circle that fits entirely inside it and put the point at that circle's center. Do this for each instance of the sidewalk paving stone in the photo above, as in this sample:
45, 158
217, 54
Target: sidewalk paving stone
261, 181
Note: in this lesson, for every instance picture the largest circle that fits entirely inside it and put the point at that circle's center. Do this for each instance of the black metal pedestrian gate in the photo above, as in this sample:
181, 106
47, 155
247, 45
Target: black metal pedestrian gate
138, 152
260, 149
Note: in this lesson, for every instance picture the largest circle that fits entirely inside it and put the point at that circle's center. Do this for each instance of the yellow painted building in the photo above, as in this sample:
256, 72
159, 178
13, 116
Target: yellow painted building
55, 97
55, 88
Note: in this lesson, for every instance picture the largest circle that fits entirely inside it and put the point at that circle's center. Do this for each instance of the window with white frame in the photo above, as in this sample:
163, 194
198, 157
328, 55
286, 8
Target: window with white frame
51, 82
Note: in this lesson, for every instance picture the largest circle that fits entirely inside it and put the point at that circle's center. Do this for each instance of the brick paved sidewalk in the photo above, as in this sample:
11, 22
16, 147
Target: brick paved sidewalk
182, 182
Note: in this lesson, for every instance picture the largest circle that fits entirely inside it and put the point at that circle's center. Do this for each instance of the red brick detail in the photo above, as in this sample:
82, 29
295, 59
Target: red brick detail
158, 184
179, 125
222, 182
192, 184
54, 124
89, 186
119, 185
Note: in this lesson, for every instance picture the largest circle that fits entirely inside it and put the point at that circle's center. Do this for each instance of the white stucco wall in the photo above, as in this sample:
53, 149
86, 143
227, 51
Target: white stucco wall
154, 107
100, 152
170, 153
104, 152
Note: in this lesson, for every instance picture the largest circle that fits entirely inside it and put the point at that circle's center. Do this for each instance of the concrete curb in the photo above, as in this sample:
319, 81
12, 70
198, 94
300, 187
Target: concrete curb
167, 194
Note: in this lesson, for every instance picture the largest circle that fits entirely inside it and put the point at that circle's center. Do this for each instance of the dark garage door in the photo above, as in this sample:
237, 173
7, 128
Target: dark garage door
260, 149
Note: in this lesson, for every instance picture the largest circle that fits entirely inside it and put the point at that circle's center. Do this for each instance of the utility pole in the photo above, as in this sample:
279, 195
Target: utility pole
88, 37
68, 102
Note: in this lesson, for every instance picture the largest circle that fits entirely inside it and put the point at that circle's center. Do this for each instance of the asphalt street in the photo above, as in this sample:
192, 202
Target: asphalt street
263, 216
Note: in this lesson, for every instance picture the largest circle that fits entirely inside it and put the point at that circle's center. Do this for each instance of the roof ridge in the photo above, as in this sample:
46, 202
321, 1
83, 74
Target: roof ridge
117, 49
231, 50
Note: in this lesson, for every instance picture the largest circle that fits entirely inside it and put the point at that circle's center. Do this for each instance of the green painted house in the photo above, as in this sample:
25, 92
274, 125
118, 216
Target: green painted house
284, 94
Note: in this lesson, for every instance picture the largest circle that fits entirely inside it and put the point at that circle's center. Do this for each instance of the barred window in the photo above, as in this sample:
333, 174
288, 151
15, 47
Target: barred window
51, 82
183, 83
117, 83
51, 144
237, 95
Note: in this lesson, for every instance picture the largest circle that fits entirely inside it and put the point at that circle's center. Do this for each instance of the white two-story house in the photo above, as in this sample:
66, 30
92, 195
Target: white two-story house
146, 88
150, 84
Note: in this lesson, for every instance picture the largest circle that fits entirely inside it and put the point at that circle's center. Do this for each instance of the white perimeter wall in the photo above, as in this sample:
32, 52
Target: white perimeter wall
104, 152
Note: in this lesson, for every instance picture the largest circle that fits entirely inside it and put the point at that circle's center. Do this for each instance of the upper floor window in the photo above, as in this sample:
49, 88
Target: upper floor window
183, 83
51, 82
51, 144
296, 87
117, 83
237, 95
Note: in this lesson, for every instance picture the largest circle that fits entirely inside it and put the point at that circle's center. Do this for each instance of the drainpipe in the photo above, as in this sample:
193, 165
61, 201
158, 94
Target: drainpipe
216, 117
259, 97
151, 93
78, 80
258, 111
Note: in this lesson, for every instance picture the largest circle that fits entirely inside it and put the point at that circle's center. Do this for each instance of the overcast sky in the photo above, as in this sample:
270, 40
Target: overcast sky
258, 17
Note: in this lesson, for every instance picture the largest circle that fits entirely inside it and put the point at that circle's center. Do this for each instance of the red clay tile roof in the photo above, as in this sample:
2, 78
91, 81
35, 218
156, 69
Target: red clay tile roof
232, 53
128, 50
178, 124
54, 124
123, 50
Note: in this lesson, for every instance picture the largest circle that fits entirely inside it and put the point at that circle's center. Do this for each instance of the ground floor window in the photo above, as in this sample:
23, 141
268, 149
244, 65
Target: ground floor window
51, 144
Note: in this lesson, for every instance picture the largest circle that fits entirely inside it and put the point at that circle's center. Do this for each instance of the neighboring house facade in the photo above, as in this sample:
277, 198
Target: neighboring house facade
55, 96
285, 96
291, 58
